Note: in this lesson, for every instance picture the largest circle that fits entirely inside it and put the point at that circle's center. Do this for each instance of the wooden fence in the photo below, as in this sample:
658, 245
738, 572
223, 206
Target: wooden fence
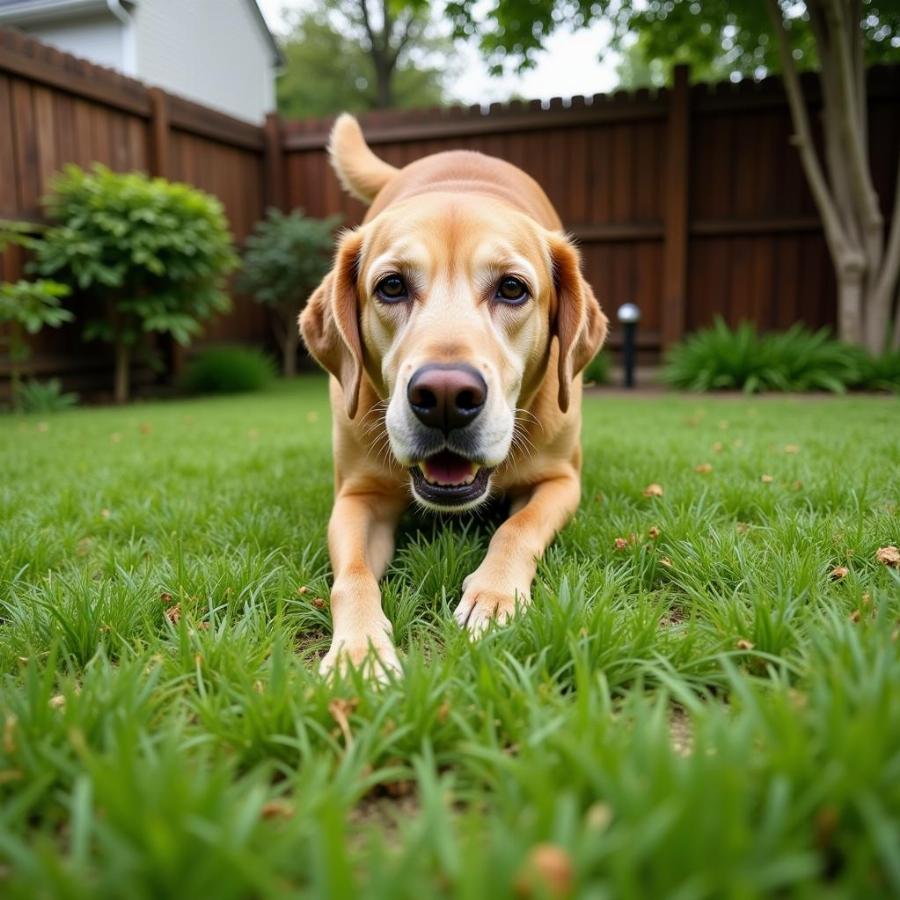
690, 201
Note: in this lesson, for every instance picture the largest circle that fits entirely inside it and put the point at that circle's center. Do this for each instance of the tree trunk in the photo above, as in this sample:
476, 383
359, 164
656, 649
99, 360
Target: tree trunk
289, 352
384, 91
122, 388
850, 306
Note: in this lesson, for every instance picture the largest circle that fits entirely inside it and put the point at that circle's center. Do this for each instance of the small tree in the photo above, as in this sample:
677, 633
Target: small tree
26, 306
286, 256
151, 255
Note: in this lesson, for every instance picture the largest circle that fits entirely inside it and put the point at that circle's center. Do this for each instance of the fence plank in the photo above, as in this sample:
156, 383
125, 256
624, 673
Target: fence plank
675, 262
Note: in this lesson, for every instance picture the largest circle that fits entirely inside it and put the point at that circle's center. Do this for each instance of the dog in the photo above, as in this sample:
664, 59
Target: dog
454, 323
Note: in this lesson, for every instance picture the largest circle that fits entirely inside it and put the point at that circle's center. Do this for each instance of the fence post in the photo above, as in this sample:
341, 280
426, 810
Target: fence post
675, 246
159, 166
273, 162
158, 156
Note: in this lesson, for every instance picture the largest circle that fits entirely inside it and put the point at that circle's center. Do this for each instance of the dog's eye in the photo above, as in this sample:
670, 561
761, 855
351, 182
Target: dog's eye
512, 290
391, 289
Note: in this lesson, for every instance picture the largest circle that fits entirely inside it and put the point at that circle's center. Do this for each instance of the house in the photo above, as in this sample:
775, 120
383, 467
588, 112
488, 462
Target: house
217, 52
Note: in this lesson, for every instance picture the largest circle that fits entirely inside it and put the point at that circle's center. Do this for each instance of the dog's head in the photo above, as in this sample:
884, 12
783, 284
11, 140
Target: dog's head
450, 303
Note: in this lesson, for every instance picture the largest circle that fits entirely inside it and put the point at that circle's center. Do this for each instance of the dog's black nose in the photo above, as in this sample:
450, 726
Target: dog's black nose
446, 396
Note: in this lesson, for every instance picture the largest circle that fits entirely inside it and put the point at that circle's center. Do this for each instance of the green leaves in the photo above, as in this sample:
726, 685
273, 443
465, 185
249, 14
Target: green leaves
33, 304
721, 358
153, 254
286, 257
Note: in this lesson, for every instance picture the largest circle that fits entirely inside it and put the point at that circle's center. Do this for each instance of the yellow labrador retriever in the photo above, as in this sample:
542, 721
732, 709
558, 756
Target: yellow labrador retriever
454, 324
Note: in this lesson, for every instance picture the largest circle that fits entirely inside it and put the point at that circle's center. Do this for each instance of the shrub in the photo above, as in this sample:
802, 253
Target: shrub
597, 370
26, 306
228, 370
44, 397
879, 373
285, 259
152, 256
795, 360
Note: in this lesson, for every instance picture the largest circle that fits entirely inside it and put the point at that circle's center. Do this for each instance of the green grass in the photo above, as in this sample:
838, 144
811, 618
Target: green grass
623, 718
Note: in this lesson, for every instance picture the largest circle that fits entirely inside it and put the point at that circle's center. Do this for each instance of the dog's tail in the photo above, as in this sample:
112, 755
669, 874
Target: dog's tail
360, 171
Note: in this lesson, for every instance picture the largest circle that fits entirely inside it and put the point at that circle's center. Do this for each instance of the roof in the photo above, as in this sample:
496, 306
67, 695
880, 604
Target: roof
21, 11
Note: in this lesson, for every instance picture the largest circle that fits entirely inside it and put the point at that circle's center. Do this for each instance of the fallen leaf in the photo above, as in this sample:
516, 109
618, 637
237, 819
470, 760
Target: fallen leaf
839, 572
173, 613
58, 701
718, 447
653, 490
744, 644
397, 789
105, 513
277, 809
665, 561
742, 527
318, 603
767, 479
888, 556
791, 448
443, 711
653, 532
620, 543
703, 468
303, 589
166, 597
546, 872
855, 616
340, 709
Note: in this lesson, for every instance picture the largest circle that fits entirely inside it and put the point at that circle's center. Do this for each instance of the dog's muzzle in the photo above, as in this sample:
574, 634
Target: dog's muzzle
447, 399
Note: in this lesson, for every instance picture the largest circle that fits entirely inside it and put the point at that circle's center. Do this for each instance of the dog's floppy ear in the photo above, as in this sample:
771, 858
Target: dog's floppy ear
578, 322
330, 322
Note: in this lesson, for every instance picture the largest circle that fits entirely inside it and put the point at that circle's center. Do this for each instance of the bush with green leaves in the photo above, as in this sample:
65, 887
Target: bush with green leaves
228, 370
26, 306
597, 370
150, 256
44, 397
286, 257
721, 358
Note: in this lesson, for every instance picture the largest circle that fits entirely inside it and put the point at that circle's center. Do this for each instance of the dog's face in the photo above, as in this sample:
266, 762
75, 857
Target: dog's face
450, 304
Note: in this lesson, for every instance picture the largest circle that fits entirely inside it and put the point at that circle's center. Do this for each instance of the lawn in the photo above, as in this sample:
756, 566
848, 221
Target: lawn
700, 709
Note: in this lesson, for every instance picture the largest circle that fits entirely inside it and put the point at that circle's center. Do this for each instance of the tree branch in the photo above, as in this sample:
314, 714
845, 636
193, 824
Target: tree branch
859, 164
890, 265
843, 253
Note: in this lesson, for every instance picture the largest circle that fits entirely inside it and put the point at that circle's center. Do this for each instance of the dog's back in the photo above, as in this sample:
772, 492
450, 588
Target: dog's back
374, 181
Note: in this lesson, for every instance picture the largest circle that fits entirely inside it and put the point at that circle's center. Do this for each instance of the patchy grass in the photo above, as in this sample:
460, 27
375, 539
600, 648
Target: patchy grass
703, 713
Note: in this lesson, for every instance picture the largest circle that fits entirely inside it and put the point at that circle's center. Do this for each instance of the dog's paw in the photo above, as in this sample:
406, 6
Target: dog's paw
376, 659
483, 602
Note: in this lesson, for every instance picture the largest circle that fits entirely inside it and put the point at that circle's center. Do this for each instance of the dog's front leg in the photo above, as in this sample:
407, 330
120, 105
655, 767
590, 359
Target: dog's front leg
361, 544
504, 577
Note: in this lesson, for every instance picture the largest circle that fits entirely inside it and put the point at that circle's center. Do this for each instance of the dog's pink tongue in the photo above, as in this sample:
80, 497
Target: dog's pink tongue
447, 468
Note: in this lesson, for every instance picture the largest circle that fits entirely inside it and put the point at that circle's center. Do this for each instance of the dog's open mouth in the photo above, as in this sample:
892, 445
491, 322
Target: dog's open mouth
449, 480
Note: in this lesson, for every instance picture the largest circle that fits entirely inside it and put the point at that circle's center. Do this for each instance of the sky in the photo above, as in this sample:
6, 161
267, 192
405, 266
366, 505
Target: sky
568, 67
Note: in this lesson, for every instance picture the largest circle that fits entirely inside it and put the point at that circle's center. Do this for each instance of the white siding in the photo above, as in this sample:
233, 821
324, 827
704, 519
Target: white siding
211, 51
99, 39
